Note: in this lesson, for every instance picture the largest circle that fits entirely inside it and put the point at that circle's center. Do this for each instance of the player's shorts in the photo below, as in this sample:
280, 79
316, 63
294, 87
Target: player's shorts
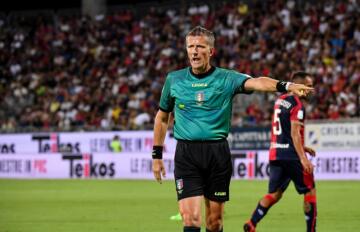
283, 171
203, 168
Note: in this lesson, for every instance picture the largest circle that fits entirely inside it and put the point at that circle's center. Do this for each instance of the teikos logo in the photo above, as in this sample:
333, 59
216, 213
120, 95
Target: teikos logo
50, 143
83, 166
249, 165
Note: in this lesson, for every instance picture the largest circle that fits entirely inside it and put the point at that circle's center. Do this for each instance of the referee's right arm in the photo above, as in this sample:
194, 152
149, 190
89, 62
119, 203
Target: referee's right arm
160, 127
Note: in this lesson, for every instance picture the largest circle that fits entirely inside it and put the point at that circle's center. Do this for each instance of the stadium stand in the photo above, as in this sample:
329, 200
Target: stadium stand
64, 73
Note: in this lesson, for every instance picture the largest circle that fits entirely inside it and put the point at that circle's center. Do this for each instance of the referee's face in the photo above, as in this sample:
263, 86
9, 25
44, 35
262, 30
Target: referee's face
199, 53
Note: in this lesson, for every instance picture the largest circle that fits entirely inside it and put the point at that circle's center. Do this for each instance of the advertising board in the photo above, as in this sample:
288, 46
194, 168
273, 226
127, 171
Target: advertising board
79, 142
329, 165
333, 136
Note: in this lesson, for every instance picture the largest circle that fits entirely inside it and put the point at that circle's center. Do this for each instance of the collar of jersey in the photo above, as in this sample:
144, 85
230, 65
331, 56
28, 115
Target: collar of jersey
203, 75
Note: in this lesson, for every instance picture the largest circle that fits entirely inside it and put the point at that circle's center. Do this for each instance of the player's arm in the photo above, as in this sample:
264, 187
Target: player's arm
266, 84
160, 128
296, 138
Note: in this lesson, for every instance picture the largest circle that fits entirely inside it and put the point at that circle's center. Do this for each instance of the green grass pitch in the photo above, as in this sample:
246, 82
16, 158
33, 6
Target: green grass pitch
136, 206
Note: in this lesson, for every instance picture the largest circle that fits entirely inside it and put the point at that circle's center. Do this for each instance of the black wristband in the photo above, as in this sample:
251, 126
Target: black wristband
157, 152
282, 86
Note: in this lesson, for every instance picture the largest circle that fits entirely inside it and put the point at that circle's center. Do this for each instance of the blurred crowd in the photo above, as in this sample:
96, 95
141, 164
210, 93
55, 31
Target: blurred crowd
107, 73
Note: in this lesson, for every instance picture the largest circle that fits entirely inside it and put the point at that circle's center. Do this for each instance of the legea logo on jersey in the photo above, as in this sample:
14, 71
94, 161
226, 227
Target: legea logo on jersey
220, 194
249, 165
199, 85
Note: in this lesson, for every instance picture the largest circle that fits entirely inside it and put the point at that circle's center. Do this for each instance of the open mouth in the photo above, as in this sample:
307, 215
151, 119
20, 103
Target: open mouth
195, 60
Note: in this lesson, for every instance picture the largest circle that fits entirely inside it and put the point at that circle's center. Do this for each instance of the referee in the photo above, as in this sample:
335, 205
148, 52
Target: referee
200, 96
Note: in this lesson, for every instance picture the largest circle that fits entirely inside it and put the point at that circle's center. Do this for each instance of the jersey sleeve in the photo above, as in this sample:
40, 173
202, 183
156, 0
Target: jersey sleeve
166, 101
239, 80
297, 112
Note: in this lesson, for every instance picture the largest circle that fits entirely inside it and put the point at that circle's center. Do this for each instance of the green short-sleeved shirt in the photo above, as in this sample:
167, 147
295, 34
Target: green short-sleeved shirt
202, 104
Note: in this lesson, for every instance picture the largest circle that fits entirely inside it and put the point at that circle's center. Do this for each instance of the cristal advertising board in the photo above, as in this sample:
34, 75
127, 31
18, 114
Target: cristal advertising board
330, 165
320, 136
333, 136
79, 142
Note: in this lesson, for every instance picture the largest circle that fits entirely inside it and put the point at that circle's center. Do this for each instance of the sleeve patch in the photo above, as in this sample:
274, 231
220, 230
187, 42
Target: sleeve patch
300, 114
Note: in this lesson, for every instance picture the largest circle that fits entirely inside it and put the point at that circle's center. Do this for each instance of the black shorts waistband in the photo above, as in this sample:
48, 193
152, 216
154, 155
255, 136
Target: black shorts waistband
201, 141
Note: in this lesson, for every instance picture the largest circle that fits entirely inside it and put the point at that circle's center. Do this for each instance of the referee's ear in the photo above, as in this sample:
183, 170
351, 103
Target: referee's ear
212, 51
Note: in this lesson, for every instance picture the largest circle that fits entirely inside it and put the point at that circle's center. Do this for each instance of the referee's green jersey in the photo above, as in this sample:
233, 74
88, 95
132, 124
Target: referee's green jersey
202, 104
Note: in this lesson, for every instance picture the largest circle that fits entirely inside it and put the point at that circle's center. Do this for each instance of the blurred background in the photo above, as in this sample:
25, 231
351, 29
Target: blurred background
101, 66
80, 84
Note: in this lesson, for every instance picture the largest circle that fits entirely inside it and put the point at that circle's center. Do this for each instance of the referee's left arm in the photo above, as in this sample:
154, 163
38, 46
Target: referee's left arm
267, 84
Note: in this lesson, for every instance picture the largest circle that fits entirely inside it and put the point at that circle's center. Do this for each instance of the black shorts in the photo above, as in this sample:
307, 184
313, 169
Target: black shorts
283, 171
203, 168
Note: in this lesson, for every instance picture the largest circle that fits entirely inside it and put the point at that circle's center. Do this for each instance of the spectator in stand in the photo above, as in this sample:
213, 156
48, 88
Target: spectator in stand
60, 72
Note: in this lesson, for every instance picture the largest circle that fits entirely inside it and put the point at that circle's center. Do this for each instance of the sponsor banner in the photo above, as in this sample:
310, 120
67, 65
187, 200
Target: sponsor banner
337, 165
333, 136
250, 164
322, 137
82, 166
329, 165
79, 142
32, 166
254, 138
341, 165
